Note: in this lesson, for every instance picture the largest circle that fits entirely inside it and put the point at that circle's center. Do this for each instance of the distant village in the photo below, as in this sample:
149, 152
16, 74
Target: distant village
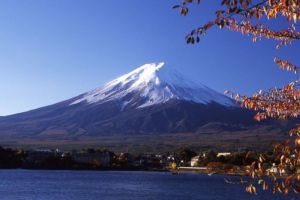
182, 160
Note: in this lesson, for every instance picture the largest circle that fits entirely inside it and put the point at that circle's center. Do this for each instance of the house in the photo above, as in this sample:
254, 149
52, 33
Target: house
195, 161
223, 154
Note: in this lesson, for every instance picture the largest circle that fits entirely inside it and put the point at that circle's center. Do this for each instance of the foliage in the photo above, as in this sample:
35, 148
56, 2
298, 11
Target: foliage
11, 158
184, 154
250, 17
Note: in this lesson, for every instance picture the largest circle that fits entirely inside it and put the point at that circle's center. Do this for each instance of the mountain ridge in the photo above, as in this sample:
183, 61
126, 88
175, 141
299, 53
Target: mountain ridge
123, 107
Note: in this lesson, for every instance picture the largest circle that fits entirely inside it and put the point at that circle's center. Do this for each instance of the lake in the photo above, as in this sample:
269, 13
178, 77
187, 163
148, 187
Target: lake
115, 185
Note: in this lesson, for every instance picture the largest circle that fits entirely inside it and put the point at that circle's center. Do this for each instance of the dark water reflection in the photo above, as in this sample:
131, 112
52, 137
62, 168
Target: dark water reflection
111, 185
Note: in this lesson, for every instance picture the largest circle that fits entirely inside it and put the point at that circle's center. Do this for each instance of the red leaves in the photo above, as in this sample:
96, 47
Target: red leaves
276, 103
282, 103
295, 131
236, 15
251, 18
184, 11
251, 189
285, 65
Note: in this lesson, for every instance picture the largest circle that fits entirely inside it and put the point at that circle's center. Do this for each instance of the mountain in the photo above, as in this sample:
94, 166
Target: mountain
151, 100
152, 84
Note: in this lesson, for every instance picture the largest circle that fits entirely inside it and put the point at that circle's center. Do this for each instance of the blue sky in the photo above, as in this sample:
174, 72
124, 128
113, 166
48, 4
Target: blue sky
53, 50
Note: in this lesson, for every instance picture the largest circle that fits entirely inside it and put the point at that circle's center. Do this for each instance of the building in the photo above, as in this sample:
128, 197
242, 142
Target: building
223, 154
195, 161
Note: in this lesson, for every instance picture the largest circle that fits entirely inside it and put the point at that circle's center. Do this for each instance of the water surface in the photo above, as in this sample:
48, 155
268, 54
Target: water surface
114, 185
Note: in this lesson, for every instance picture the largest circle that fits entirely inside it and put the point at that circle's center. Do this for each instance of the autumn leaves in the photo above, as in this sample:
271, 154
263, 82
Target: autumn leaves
252, 18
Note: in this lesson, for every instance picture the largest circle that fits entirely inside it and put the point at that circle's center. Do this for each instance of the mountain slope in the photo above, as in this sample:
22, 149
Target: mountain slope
151, 100
153, 84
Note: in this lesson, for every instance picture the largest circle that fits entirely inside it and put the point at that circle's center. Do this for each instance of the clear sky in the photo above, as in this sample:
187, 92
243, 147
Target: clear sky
53, 50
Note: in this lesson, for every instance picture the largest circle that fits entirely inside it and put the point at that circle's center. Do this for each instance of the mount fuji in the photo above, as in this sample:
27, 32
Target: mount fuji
151, 100
152, 84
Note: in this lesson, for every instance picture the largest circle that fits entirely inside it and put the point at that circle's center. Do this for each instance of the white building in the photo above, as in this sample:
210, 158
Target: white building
223, 154
194, 161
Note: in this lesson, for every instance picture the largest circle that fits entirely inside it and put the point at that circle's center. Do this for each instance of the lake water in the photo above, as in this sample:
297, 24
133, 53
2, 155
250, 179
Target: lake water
112, 185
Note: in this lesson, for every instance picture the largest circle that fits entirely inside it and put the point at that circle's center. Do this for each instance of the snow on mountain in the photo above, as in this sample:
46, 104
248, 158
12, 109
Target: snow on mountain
155, 84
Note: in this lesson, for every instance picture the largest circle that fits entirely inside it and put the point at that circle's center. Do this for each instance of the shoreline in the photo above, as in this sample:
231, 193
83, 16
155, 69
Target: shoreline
118, 170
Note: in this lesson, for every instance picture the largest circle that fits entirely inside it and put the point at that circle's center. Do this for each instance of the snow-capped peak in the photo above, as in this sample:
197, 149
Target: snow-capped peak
143, 75
152, 84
